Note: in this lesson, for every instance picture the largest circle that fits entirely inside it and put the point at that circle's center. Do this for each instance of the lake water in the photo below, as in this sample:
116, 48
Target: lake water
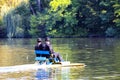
101, 55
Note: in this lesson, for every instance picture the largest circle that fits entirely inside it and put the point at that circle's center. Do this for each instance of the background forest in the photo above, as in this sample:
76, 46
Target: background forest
59, 18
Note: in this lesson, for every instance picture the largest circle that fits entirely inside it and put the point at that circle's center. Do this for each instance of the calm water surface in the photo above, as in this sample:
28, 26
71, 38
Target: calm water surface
101, 55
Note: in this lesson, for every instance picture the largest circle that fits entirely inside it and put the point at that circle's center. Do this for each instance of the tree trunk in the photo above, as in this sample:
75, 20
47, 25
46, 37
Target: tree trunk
39, 5
32, 10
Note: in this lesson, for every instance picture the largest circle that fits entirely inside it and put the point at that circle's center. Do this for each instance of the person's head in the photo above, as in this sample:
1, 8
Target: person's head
39, 40
47, 40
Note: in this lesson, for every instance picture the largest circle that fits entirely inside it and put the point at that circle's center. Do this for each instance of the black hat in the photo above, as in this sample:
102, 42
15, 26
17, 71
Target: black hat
47, 39
39, 39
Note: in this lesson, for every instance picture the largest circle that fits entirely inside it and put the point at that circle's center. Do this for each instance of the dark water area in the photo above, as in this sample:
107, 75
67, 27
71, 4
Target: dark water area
101, 55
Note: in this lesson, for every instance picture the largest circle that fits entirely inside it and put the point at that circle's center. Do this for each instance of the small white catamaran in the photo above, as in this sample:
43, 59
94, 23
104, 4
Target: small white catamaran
41, 62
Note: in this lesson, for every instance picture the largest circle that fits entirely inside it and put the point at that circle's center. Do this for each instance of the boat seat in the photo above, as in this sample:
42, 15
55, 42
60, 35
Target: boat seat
41, 55
40, 58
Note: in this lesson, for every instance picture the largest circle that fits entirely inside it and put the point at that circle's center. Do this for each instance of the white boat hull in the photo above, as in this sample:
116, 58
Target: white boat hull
36, 66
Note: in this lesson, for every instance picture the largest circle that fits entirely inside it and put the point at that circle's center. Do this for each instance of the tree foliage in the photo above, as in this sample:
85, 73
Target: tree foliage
60, 18
13, 17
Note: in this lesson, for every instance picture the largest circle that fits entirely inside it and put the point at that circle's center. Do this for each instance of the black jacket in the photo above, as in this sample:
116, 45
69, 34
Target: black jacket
39, 47
47, 47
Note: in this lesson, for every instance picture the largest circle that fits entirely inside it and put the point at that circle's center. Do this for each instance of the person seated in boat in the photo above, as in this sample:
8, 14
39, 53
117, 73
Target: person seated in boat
39, 45
48, 47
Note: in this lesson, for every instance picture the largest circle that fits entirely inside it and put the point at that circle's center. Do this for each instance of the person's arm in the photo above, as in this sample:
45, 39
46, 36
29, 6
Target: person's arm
51, 49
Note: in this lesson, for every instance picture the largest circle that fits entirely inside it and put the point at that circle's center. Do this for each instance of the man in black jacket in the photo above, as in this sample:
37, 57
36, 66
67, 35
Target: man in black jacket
39, 45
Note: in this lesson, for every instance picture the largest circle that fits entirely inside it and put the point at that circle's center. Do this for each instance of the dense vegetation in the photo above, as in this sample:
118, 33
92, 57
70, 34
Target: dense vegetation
59, 18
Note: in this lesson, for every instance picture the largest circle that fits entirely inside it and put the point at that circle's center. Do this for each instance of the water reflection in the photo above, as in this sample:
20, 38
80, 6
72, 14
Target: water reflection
60, 73
101, 55
53, 74
16, 52
42, 74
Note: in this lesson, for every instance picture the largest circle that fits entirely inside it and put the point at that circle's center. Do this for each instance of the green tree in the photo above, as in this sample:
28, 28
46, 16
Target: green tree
117, 15
16, 20
12, 21
60, 18
24, 11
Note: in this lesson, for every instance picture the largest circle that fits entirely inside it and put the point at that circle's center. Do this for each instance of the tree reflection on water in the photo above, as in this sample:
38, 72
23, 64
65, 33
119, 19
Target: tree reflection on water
101, 55
53, 73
